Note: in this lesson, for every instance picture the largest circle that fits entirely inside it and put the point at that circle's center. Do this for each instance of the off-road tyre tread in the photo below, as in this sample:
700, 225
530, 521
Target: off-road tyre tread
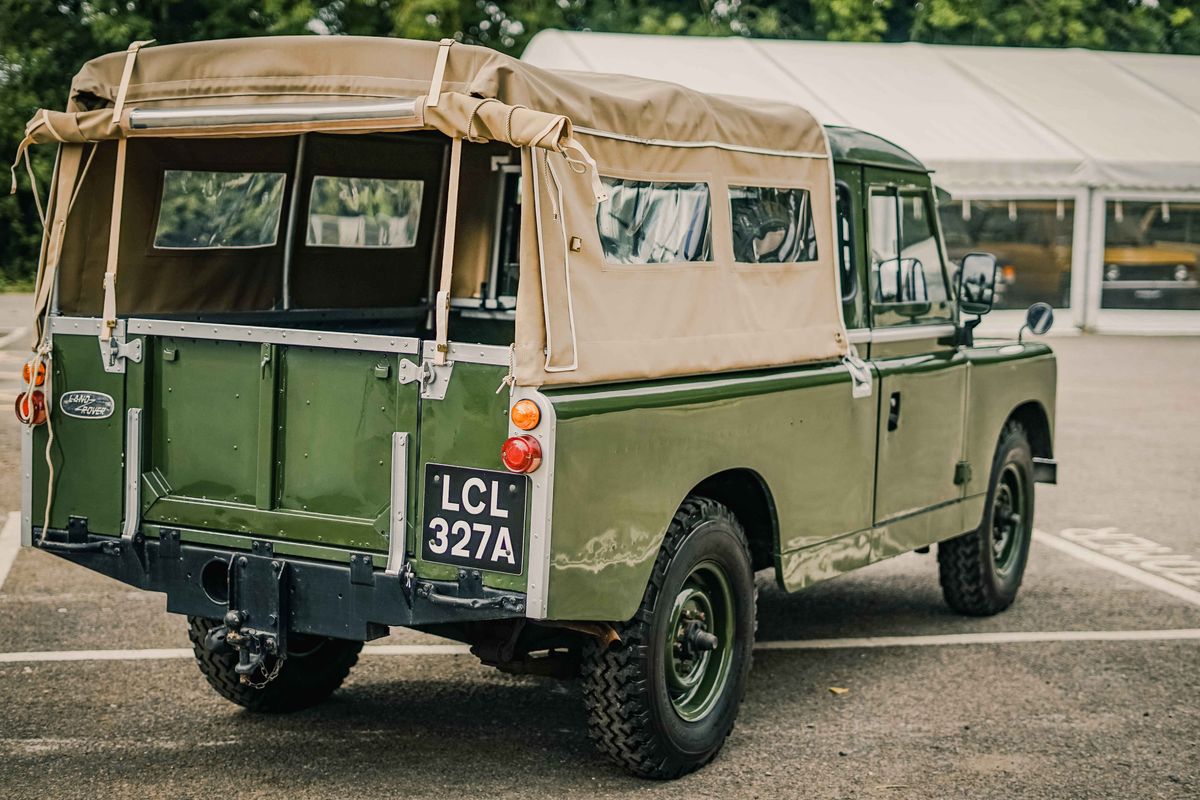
963, 570
616, 693
301, 683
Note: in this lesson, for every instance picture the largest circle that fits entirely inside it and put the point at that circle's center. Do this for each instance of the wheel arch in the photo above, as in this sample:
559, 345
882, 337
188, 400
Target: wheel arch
1033, 418
745, 493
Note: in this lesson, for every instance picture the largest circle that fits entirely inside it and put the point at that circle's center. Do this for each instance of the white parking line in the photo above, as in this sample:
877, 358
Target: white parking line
10, 543
934, 640
1119, 567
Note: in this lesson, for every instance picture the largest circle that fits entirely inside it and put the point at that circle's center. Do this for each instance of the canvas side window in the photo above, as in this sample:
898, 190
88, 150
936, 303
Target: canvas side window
201, 210
363, 212
772, 226
644, 222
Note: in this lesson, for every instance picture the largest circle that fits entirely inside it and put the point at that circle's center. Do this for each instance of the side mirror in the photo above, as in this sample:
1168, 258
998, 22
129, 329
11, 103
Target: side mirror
977, 283
1039, 318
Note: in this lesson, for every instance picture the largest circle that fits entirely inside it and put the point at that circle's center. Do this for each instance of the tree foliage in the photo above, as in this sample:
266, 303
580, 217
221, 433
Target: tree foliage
43, 43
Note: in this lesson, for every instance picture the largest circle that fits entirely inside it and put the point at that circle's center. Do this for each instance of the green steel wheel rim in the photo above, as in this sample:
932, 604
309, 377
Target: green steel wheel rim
1008, 517
700, 641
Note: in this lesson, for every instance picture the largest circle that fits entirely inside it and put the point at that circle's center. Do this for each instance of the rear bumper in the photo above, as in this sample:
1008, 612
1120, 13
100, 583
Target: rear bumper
346, 601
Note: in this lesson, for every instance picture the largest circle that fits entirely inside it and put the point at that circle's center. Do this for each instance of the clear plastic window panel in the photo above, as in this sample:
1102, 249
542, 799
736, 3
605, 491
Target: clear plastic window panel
201, 210
363, 212
655, 223
772, 226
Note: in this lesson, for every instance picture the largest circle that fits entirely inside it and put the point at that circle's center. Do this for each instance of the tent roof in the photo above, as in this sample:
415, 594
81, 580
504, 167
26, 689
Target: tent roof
982, 117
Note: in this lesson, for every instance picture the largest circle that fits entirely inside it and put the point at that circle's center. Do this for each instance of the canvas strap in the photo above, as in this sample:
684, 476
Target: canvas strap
442, 308
122, 90
114, 245
439, 71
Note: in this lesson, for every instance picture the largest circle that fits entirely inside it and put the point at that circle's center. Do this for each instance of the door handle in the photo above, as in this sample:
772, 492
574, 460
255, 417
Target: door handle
893, 411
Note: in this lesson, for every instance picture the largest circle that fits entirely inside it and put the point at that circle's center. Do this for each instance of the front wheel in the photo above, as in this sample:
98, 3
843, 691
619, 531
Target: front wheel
981, 571
662, 700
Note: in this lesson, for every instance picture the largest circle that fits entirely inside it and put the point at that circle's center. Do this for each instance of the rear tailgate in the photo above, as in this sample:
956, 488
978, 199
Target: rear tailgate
287, 435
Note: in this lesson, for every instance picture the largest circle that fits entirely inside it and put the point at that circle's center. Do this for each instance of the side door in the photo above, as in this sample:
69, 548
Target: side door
922, 374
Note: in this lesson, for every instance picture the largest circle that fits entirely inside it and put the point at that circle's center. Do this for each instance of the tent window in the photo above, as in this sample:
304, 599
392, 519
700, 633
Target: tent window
655, 223
772, 226
204, 210
363, 212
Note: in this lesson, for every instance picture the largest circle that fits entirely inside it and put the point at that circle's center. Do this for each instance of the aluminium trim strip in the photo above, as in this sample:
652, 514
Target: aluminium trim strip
133, 474
263, 335
737, 148
541, 505
494, 354
398, 521
27, 484
903, 333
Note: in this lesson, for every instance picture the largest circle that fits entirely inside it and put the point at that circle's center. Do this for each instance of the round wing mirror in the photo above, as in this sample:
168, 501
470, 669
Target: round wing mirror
977, 283
1039, 318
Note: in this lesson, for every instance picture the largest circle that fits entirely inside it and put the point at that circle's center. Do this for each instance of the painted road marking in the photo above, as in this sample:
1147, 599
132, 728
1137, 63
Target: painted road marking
933, 640
1097, 558
1146, 553
10, 543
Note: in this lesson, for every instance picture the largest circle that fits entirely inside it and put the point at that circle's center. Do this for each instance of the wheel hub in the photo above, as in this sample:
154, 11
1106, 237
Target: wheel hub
700, 638
1008, 517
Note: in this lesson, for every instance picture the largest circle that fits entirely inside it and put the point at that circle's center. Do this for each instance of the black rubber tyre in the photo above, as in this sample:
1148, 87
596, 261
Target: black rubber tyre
981, 571
638, 714
314, 668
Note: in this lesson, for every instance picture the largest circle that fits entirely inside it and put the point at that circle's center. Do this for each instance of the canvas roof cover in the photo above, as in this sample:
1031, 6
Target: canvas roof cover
984, 118
579, 318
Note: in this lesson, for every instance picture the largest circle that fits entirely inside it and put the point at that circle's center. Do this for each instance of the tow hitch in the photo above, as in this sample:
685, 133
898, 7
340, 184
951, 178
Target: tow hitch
256, 623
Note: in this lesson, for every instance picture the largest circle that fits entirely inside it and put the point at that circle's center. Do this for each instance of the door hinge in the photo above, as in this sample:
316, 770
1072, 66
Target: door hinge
433, 378
860, 375
962, 473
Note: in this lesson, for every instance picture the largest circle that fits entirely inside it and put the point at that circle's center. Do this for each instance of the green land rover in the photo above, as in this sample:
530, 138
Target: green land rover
338, 334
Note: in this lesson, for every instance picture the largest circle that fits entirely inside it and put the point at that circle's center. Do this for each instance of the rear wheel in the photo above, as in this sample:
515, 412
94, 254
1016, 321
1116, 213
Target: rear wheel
981, 571
314, 668
663, 699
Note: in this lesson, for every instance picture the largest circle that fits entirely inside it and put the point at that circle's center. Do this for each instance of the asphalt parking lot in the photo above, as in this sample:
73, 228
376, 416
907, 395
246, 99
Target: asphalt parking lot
1087, 687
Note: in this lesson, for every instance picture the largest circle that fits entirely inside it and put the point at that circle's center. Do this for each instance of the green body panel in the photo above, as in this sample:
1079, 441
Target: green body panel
466, 428
1004, 375
87, 453
201, 420
337, 412
916, 460
626, 456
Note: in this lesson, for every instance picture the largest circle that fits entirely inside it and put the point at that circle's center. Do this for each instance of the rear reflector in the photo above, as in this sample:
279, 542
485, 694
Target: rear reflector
521, 454
31, 412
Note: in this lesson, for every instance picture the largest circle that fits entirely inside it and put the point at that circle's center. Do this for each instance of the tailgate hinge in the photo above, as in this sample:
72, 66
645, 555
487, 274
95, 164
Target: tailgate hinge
433, 378
116, 350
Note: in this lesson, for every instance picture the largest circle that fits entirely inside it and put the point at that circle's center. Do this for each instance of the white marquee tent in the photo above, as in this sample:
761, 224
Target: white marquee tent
1092, 128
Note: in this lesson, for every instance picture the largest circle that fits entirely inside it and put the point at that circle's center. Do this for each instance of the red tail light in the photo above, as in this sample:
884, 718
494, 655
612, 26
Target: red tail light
521, 454
31, 411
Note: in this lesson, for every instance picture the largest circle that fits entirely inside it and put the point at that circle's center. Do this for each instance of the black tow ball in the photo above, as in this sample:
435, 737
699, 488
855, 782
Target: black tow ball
252, 647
